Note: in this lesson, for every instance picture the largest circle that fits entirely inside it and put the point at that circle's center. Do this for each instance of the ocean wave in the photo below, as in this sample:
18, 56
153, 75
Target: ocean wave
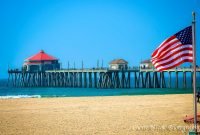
19, 96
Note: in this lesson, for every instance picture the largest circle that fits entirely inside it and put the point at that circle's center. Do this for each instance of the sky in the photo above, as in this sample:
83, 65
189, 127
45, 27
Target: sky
90, 30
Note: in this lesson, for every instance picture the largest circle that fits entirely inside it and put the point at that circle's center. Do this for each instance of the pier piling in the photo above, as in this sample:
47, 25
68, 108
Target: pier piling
100, 78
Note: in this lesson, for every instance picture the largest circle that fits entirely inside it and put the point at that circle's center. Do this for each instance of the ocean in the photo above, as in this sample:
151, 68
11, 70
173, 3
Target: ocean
40, 92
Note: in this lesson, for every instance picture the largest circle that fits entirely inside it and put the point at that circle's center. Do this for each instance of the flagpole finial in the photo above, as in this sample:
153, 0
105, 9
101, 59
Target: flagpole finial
193, 14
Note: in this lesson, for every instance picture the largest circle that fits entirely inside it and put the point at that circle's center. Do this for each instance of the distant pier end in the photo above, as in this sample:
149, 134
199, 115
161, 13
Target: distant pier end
43, 70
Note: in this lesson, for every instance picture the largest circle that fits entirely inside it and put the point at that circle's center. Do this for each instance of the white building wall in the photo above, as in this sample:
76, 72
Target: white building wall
117, 66
113, 66
145, 65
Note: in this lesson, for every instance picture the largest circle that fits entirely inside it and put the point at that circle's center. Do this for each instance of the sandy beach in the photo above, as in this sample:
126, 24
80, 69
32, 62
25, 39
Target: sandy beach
117, 115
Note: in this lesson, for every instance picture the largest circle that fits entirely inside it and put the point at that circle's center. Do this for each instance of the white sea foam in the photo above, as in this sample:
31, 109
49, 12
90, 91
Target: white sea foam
20, 96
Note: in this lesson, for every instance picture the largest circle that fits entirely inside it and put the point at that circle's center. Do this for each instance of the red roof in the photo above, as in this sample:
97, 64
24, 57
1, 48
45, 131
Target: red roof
41, 56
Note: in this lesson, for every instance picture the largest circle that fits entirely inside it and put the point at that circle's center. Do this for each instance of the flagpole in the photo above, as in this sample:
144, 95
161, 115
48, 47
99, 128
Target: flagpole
194, 70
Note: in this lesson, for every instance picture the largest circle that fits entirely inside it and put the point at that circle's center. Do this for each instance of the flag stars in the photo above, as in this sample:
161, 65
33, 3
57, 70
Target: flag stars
185, 36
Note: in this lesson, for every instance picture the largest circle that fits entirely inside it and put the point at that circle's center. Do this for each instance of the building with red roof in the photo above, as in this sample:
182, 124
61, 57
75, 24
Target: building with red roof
41, 62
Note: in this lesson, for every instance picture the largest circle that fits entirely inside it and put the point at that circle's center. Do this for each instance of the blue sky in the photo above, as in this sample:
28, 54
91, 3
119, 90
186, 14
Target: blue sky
90, 30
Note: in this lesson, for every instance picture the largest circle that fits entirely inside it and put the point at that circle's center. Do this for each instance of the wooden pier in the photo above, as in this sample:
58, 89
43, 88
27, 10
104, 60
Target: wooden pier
103, 78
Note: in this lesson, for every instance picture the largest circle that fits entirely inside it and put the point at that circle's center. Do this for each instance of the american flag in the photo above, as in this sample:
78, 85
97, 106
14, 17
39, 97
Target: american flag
174, 51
